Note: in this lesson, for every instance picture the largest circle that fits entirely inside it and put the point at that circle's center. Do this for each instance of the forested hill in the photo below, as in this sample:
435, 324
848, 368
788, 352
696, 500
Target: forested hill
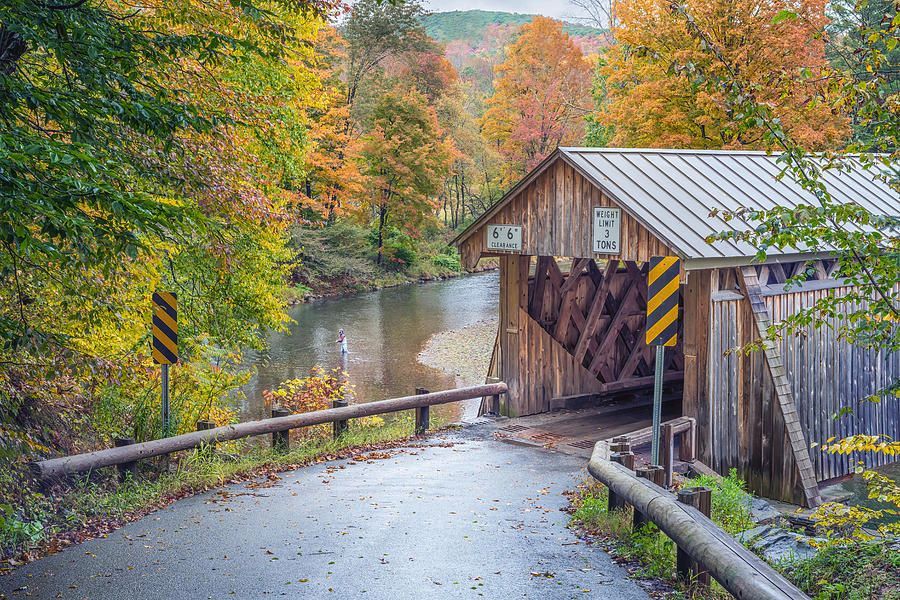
470, 25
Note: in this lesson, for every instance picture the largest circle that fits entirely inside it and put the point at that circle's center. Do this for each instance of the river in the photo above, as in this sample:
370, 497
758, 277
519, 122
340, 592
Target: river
386, 329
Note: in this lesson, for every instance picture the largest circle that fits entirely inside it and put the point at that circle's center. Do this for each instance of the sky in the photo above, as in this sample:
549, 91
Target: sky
559, 9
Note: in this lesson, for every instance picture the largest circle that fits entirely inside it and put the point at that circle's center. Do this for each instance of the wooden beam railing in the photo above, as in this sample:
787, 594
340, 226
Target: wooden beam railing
126, 454
702, 546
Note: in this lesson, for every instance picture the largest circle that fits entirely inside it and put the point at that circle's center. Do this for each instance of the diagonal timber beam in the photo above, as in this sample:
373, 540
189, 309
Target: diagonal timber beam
782, 388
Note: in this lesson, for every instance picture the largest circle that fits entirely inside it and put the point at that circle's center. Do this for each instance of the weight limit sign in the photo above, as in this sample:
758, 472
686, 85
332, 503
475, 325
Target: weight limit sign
662, 301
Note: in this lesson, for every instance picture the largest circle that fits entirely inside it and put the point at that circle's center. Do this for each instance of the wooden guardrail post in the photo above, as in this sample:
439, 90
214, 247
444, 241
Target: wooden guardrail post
494, 403
652, 473
626, 459
338, 428
667, 452
128, 469
687, 444
687, 568
52, 468
423, 414
281, 440
205, 425
620, 444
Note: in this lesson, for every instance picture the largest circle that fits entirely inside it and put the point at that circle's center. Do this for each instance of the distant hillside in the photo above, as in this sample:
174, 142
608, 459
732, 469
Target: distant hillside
470, 25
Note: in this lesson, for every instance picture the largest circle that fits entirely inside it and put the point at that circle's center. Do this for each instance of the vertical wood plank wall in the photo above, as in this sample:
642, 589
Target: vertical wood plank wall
555, 212
826, 373
733, 398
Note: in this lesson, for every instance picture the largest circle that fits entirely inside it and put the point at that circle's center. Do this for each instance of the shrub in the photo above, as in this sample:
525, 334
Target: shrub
856, 571
307, 394
730, 501
399, 250
448, 262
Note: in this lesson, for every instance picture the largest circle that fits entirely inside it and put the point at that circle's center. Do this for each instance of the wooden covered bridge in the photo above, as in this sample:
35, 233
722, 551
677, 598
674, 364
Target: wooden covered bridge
574, 239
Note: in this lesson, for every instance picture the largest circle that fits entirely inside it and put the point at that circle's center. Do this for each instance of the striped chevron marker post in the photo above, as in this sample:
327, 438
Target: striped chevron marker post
165, 345
662, 327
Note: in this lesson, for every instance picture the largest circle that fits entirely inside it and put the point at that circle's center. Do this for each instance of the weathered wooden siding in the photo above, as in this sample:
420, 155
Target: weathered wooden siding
828, 373
555, 212
743, 427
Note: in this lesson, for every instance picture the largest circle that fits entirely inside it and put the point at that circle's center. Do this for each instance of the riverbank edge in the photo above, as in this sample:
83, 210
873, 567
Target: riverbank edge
198, 477
335, 292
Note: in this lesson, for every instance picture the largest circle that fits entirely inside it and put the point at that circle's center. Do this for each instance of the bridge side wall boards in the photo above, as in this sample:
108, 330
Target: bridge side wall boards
576, 327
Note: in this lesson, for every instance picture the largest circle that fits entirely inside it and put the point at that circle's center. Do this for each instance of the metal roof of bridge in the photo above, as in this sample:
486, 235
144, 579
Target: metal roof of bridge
672, 192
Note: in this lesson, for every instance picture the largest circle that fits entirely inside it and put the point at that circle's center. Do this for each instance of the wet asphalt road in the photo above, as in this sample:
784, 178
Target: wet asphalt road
465, 517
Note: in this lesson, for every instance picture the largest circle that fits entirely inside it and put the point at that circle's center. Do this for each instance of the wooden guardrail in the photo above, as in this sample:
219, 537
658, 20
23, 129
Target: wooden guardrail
127, 454
702, 546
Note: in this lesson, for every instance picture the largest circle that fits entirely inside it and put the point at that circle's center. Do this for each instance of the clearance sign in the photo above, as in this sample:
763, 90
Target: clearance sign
662, 301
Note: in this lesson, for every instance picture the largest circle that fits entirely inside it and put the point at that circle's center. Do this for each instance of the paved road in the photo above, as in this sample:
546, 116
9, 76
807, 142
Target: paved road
465, 517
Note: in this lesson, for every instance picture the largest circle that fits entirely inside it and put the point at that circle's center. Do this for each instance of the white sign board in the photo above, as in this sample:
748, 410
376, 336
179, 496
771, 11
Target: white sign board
504, 237
607, 230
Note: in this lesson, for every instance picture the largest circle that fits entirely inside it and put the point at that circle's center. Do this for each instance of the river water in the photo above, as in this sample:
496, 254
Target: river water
386, 330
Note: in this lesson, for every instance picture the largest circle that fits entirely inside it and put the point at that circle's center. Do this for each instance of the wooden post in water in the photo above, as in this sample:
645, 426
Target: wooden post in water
339, 427
687, 568
423, 414
281, 440
129, 468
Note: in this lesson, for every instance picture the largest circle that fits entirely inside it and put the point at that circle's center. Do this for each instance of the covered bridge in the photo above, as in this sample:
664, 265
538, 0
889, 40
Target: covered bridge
574, 239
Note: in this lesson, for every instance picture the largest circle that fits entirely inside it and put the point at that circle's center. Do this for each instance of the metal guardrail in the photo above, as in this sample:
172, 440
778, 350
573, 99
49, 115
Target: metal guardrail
128, 454
709, 549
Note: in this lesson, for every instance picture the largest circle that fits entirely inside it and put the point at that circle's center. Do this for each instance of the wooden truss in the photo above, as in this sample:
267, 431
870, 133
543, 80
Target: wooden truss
599, 317
779, 273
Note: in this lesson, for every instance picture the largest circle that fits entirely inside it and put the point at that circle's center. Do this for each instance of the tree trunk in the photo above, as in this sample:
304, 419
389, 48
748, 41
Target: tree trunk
382, 219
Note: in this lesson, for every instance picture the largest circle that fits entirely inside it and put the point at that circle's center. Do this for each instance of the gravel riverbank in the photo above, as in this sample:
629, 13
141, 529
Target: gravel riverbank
464, 353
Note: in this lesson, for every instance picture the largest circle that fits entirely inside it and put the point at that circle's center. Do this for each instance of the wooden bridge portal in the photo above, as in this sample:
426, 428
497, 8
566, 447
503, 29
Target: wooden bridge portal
573, 239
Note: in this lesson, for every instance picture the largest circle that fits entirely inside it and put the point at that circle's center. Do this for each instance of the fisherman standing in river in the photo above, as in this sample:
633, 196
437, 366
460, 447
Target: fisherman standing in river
342, 340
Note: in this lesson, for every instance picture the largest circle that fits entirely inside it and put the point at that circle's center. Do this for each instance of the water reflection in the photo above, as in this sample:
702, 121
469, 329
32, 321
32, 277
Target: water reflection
385, 332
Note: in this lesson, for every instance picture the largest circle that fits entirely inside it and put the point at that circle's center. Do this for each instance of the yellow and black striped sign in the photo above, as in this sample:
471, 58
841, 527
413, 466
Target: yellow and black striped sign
662, 301
165, 328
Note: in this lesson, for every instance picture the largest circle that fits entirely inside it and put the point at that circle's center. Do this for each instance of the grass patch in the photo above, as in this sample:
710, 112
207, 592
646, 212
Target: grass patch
860, 571
730, 501
95, 504
648, 547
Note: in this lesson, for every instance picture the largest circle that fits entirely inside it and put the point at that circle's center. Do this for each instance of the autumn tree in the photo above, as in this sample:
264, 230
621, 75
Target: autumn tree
649, 107
541, 97
405, 161
148, 149
376, 30
331, 176
849, 50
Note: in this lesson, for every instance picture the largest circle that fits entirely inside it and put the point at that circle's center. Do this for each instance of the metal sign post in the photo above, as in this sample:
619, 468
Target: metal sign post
657, 403
662, 328
165, 346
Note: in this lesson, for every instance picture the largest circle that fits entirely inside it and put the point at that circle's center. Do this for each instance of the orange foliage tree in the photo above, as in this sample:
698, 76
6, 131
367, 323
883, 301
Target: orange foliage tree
405, 158
541, 91
779, 52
